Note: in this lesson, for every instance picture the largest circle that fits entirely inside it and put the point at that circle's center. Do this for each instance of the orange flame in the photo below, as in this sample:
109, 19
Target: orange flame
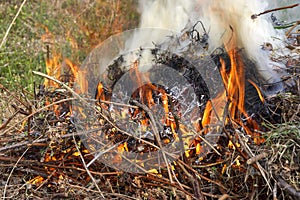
79, 75
53, 69
146, 96
261, 97
234, 82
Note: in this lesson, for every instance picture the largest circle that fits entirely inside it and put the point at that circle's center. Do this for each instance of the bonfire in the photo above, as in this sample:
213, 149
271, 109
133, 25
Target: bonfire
203, 110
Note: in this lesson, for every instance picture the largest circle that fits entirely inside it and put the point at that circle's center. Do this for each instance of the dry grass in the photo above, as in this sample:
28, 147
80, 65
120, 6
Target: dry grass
31, 132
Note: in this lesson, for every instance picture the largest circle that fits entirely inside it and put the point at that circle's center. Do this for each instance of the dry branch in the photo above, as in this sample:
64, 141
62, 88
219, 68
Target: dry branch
254, 16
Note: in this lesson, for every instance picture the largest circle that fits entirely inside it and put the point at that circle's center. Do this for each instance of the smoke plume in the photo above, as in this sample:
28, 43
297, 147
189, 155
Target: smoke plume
222, 19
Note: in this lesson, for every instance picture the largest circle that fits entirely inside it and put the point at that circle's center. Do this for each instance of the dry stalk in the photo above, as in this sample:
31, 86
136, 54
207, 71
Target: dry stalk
35, 112
287, 34
86, 168
142, 106
87, 103
11, 24
197, 188
271, 10
224, 197
259, 167
199, 176
48, 178
211, 164
166, 182
121, 196
256, 158
156, 134
208, 143
12, 170
8, 120
14, 96
287, 187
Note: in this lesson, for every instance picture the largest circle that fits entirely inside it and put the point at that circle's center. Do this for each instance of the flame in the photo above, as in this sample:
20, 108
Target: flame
80, 76
261, 97
234, 94
53, 69
36, 181
234, 83
145, 93
207, 115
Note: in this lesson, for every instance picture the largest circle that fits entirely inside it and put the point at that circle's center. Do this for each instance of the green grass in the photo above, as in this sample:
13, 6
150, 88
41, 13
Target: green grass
20, 54
76, 28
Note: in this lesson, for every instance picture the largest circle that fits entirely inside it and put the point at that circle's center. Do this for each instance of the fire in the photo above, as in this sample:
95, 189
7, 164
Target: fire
36, 180
155, 96
207, 115
145, 93
79, 75
258, 91
53, 69
234, 83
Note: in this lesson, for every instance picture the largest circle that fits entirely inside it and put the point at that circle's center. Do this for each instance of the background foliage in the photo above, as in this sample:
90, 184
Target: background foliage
70, 28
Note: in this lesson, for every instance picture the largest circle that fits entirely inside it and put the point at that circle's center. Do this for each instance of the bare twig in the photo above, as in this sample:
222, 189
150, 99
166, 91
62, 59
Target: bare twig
166, 182
8, 120
256, 164
275, 192
30, 163
86, 168
208, 143
200, 176
87, 103
257, 158
224, 197
287, 187
116, 103
287, 34
211, 164
12, 170
35, 112
275, 9
197, 188
62, 84
48, 178
32, 143
102, 152
14, 96
156, 133
11, 24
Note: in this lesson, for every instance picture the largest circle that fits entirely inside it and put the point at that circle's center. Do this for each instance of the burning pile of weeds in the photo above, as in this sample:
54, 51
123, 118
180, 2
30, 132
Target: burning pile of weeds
255, 154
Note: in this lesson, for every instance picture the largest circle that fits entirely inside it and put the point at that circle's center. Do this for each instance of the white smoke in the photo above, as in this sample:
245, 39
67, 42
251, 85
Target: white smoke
250, 33
221, 19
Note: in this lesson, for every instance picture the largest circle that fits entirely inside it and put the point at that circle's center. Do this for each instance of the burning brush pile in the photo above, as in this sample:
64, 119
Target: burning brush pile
155, 119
